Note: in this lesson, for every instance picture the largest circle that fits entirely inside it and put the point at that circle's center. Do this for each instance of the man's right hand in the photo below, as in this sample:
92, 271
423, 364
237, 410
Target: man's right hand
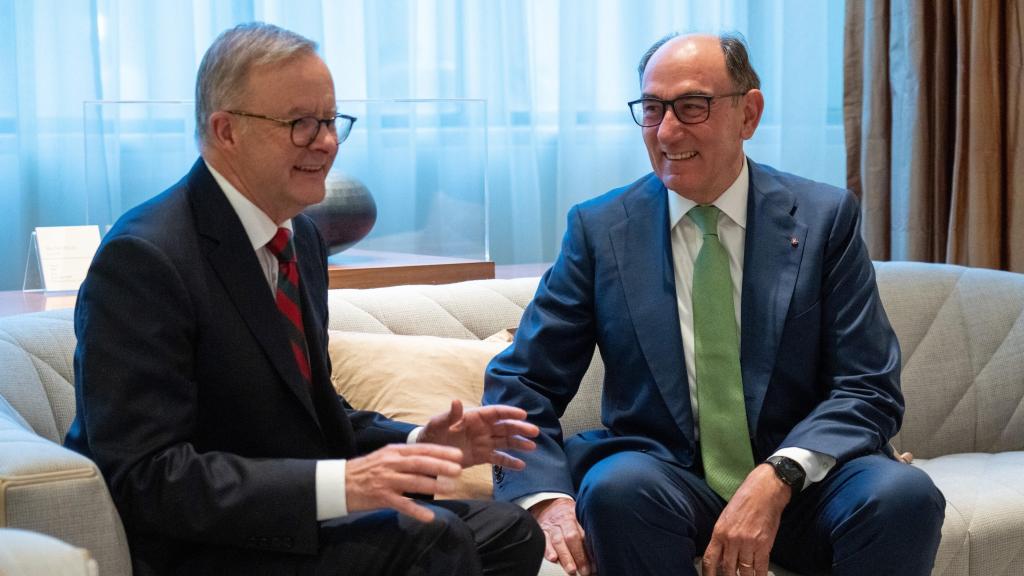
383, 477
563, 535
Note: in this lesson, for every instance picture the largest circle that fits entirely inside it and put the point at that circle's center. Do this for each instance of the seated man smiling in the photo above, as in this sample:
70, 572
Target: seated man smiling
751, 374
202, 375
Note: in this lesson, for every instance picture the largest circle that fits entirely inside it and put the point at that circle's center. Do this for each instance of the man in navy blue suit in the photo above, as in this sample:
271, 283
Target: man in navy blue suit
202, 376
751, 374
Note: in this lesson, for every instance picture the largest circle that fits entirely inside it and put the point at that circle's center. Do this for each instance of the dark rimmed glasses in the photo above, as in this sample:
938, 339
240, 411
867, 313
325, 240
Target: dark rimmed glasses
306, 129
689, 109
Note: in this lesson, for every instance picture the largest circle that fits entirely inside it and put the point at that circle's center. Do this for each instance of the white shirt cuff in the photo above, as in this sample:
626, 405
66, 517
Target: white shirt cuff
815, 464
526, 502
330, 490
414, 435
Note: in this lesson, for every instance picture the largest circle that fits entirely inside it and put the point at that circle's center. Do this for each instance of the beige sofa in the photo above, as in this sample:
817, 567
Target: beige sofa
961, 330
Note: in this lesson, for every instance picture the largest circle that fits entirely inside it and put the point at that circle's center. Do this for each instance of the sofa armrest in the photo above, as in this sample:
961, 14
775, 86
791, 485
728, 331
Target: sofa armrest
31, 553
47, 488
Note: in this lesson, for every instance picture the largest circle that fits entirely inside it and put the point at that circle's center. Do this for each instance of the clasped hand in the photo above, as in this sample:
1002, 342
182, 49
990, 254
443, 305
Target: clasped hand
744, 534
564, 538
450, 441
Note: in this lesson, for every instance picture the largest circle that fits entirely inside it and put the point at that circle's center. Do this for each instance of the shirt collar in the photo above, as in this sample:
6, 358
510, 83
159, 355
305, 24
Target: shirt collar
258, 226
733, 201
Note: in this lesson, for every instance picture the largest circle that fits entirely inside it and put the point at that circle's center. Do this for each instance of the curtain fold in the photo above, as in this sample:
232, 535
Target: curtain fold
866, 116
556, 77
933, 122
1014, 236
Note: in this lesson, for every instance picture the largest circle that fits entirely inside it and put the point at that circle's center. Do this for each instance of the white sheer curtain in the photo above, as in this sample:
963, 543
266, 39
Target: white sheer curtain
556, 76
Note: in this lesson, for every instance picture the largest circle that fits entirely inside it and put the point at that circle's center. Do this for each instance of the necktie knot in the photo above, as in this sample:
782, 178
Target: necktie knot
706, 218
281, 246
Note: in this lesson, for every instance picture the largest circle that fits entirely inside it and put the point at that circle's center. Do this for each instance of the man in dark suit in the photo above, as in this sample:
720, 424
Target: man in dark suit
751, 375
203, 380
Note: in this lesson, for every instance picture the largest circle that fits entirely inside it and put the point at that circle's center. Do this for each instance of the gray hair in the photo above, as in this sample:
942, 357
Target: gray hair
221, 79
737, 60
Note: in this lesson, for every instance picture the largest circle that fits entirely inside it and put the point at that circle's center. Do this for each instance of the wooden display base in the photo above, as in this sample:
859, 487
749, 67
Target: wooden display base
350, 269
373, 269
17, 302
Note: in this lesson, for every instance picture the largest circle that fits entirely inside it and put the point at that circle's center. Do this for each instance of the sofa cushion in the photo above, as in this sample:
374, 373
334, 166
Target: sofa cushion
24, 552
412, 378
984, 525
474, 310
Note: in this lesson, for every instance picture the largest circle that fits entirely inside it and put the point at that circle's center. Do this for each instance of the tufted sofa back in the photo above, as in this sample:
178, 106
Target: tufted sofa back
36, 372
961, 331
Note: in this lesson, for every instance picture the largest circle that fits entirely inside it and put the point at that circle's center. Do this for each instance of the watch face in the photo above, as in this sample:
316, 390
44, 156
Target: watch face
789, 471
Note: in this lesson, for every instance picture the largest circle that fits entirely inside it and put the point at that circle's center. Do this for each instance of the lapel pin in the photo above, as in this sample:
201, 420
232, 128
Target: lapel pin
794, 242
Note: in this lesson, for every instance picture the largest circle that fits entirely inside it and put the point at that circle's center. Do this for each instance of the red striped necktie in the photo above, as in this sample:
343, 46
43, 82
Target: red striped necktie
283, 248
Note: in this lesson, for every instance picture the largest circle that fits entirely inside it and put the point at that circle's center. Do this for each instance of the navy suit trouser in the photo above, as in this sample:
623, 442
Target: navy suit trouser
466, 538
871, 515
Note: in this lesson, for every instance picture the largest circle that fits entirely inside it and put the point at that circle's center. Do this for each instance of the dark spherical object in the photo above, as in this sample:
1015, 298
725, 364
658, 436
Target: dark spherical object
346, 214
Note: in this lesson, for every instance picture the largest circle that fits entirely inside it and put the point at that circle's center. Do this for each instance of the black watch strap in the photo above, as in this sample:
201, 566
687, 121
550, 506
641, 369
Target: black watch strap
789, 471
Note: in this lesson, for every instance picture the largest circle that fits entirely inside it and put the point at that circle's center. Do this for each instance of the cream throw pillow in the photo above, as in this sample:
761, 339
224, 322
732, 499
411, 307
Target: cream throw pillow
412, 378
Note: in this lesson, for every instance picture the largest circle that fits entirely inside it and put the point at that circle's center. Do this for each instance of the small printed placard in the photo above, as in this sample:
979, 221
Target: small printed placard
65, 253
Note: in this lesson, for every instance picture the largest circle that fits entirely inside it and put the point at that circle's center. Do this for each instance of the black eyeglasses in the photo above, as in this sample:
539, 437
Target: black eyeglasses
689, 109
306, 129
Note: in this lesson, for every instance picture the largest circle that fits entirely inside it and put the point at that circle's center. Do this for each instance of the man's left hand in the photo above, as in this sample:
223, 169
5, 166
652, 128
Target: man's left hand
745, 532
483, 434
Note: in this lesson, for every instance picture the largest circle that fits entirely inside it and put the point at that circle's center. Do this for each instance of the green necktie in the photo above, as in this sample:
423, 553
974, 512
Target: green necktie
724, 440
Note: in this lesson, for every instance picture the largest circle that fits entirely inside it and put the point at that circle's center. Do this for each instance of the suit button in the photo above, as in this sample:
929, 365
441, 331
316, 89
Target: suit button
499, 474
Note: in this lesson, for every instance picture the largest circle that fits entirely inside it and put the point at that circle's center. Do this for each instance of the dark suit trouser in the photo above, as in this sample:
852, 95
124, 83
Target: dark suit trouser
872, 515
468, 537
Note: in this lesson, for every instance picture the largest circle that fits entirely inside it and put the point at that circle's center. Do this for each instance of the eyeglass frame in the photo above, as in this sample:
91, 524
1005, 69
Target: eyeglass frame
666, 104
320, 122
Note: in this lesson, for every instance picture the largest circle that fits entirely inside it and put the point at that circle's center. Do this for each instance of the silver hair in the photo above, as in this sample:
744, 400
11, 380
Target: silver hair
221, 79
737, 60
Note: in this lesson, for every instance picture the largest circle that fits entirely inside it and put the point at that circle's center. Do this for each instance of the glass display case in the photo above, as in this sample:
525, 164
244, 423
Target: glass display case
422, 161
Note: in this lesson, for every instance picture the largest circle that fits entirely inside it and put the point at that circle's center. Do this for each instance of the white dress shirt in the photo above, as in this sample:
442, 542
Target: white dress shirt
686, 242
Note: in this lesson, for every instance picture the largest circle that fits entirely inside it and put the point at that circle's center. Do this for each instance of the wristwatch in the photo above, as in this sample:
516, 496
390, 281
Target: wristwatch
789, 471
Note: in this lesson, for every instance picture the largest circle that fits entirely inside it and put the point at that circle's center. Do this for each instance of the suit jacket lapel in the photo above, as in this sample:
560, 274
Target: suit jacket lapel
643, 255
771, 262
230, 254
